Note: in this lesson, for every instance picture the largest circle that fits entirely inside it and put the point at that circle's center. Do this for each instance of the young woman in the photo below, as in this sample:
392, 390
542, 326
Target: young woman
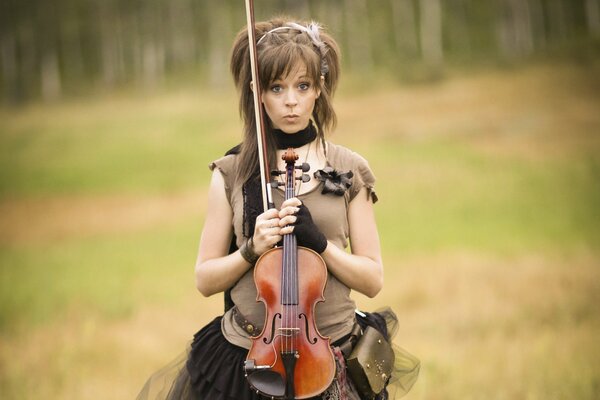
299, 70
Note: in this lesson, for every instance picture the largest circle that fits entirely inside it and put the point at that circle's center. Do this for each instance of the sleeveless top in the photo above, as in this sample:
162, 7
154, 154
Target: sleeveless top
334, 316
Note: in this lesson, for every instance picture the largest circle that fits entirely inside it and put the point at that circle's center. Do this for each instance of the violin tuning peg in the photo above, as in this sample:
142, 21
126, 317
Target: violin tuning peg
304, 167
275, 184
277, 173
304, 178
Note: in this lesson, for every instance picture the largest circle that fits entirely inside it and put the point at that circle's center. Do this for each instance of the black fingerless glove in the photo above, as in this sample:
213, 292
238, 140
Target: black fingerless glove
307, 233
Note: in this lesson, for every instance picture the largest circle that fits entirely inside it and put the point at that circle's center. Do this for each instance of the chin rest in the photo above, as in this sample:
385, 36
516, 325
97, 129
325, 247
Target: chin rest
267, 382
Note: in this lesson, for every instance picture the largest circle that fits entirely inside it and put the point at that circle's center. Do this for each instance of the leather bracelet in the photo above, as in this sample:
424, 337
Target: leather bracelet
247, 252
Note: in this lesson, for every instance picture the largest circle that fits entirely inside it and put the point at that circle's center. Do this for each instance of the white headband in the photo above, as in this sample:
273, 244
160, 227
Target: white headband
313, 32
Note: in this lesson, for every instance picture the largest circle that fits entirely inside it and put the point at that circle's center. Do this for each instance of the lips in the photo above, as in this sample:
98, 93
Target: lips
291, 117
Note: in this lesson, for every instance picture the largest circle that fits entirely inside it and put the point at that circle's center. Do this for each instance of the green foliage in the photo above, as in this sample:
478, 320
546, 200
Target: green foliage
102, 148
108, 275
448, 195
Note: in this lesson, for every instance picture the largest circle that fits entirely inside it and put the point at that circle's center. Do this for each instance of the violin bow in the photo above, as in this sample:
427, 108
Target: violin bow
267, 195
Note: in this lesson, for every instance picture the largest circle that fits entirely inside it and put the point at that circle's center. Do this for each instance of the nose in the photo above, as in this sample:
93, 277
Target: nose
290, 99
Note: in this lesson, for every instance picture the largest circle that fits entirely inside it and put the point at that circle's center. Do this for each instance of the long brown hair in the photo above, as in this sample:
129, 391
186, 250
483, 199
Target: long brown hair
279, 52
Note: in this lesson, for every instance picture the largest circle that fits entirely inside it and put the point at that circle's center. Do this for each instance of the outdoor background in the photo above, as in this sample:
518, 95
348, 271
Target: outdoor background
479, 118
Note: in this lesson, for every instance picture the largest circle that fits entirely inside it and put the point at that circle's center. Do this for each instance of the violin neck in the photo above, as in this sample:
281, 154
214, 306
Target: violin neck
289, 290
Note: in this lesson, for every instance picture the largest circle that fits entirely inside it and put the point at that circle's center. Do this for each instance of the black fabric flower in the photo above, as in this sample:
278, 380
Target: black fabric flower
334, 181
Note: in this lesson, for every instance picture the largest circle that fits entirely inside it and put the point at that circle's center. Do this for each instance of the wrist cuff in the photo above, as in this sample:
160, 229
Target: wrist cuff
247, 252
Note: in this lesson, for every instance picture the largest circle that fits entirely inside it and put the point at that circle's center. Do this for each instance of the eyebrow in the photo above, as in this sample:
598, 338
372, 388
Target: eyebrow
300, 78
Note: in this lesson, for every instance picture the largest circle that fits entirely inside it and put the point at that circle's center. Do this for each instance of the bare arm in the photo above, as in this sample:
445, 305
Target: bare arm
363, 269
216, 270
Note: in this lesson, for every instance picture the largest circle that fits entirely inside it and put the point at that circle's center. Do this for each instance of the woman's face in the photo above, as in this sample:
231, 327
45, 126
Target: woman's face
289, 101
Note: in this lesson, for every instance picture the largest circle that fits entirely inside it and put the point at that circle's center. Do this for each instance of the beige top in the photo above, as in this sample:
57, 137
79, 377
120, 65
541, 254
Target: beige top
334, 316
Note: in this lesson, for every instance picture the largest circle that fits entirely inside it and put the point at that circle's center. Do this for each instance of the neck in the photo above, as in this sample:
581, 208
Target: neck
295, 140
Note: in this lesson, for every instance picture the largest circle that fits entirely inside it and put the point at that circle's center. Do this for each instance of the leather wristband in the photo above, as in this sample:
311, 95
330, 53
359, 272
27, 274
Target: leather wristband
247, 252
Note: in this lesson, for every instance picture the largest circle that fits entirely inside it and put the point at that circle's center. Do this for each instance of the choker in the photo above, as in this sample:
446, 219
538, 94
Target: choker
295, 140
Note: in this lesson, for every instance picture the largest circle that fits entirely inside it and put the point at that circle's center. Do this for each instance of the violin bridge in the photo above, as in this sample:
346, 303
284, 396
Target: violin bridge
289, 331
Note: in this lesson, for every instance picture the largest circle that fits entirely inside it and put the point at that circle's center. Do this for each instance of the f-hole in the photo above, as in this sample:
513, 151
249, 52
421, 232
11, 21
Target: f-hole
269, 340
313, 340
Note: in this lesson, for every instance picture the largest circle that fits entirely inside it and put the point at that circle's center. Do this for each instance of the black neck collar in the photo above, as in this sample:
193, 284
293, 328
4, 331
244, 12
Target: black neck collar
295, 140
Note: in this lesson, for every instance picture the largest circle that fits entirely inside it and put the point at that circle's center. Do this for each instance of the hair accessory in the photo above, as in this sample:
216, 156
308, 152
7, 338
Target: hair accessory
334, 181
312, 30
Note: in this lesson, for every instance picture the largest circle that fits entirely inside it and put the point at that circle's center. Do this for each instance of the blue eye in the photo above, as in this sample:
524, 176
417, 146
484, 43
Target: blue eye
304, 86
276, 88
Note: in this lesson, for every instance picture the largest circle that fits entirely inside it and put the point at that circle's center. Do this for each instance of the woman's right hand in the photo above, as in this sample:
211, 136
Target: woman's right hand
267, 232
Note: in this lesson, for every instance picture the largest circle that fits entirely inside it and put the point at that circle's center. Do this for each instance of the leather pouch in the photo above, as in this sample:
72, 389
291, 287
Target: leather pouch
371, 362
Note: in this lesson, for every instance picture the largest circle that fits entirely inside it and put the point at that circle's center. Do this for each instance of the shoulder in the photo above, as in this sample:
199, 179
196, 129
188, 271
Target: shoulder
342, 159
339, 157
226, 164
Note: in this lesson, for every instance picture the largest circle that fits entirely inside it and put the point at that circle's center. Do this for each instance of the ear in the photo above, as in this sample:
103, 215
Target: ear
252, 89
320, 86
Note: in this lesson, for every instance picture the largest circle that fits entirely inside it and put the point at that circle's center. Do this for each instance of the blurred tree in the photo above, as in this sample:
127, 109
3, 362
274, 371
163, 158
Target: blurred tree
431, 33
357, 31
592, 13
456, 28
49, 48
404, 27
219, 40
514, 28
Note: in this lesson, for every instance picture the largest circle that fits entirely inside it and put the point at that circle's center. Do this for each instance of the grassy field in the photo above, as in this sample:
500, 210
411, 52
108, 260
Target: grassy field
489, 216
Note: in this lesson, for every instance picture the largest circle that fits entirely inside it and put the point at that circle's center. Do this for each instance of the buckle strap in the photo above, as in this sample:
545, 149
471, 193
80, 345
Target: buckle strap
243, 323
349, 344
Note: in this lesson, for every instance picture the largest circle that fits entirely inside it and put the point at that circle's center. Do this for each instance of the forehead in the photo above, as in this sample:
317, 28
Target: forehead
293, 72
282, 61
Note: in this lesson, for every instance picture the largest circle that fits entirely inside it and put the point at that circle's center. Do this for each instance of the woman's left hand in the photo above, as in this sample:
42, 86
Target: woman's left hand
295, 217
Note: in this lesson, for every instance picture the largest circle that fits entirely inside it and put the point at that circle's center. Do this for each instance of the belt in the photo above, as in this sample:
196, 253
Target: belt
346, 345
243, 323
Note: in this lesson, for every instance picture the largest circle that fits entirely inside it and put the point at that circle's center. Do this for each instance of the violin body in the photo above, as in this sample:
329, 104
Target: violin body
290, 328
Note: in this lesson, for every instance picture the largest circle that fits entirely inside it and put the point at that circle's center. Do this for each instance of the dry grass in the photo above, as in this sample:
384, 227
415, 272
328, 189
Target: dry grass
485, 324
56, 218
540, 112
483, 327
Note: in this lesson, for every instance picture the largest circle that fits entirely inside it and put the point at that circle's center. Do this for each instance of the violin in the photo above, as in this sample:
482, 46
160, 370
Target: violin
290, 359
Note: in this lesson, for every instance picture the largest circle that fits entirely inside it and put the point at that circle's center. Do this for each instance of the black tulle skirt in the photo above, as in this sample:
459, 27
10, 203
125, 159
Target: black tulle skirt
212, 369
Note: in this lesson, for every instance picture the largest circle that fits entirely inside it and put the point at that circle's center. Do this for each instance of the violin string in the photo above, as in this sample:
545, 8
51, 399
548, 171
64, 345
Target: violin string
290, 190
296, 282
290, 282
285, 282
295, 279
291, 278
295, 272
